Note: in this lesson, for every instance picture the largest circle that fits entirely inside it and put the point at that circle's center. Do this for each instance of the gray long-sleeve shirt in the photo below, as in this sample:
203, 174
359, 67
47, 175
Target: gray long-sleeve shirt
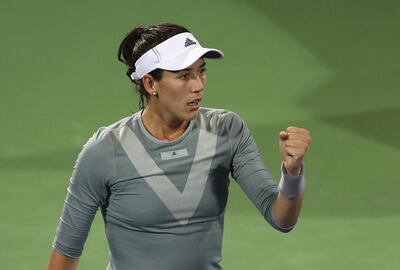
163, 203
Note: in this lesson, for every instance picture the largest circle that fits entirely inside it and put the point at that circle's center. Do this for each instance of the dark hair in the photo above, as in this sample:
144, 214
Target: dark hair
141, 40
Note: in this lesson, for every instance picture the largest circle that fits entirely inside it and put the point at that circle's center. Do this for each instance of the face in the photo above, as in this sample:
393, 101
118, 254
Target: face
180, 93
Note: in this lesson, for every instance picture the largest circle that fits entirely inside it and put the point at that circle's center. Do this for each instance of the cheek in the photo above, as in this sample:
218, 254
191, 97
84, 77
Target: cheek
173, 94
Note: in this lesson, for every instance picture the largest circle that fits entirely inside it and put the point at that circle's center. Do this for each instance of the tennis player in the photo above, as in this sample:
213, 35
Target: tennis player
161, 175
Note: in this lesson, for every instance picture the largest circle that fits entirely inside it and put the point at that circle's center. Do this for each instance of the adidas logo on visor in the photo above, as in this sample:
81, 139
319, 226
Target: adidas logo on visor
189, 42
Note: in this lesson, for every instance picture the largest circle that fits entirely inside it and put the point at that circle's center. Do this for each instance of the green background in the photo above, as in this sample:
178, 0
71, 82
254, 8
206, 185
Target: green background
330, 66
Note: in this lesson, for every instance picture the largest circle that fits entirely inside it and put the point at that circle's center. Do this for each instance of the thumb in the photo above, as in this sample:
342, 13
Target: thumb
283, 135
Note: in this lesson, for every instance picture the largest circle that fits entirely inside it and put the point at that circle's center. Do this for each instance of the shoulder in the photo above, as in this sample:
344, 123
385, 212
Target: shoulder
221, 118
104, 133
228, 125
103, 136
100, 144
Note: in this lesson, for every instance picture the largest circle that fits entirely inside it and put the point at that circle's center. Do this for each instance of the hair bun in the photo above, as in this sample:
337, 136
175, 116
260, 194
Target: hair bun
127, 45
140, 30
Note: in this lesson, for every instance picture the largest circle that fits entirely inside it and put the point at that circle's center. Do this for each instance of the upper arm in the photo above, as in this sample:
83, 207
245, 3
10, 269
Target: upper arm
248, 169
87, 191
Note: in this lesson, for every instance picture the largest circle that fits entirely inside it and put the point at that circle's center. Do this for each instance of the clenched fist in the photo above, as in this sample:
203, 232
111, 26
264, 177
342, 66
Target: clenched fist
293, 146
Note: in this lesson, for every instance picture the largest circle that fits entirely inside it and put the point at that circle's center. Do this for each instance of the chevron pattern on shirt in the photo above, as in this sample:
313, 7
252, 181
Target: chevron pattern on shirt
182, 205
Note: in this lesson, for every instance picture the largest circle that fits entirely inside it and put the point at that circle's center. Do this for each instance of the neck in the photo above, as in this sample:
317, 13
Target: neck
161, 127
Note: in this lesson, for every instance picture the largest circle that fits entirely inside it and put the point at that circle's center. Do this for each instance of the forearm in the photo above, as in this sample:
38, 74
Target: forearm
286, 208
58, 261
286, 211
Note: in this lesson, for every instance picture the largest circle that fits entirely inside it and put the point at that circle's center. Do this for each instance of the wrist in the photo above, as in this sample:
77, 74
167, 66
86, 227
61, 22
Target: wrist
291, 186
294, 171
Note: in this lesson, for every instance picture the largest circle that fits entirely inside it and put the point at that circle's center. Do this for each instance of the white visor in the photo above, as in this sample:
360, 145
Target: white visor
175, 53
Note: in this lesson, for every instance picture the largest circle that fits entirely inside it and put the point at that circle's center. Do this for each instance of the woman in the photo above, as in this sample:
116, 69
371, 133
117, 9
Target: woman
160, 176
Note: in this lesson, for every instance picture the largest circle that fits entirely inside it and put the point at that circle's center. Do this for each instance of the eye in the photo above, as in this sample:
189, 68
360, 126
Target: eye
202, 71
184, 76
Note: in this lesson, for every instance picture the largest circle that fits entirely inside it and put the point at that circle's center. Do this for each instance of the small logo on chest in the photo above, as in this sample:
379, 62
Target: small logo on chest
174, 154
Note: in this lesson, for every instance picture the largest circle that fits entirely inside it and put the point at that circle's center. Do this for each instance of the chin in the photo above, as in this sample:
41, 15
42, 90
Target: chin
191, 115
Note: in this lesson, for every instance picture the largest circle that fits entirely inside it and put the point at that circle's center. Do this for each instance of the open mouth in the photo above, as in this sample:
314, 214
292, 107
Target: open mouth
195, 103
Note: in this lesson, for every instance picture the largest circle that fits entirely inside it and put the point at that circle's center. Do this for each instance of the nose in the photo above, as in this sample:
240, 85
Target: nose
198, 85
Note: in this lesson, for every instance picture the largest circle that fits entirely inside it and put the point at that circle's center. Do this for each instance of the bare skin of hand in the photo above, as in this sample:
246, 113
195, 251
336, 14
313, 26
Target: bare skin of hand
293, 145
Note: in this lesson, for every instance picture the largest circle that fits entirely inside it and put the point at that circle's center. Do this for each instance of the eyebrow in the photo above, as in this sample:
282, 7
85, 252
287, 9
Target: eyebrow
187, 69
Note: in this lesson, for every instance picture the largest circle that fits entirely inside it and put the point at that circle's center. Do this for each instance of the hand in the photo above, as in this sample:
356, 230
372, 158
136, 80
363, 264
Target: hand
293, 146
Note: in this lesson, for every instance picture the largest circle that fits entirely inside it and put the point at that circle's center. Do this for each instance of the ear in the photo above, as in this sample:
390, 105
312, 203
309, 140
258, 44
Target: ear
148, 83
